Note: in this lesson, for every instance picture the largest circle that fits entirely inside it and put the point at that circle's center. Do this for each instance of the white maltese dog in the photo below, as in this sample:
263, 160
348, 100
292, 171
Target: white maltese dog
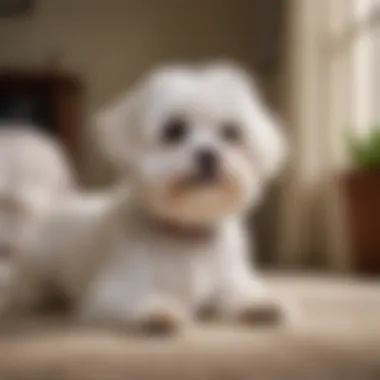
196, 146
33, 173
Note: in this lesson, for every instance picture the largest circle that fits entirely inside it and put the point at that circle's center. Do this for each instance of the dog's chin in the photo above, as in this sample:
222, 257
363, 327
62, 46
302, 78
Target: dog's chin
201, 203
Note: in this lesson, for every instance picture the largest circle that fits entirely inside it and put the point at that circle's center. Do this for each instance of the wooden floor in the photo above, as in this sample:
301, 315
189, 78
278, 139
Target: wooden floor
335, 335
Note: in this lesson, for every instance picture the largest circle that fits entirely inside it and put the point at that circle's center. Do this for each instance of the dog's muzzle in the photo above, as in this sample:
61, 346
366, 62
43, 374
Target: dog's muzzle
207, 166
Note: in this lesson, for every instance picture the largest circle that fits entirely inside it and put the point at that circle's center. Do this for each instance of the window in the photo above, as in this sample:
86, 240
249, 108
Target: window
353, 53
334, 70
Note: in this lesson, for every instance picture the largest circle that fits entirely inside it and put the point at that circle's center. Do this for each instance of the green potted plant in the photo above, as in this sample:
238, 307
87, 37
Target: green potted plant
362, 193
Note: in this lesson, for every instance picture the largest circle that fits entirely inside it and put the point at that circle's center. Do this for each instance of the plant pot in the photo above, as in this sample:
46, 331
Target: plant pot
362, 193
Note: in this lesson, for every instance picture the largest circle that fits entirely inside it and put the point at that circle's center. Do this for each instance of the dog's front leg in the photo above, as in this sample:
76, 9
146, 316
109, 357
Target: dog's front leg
241, 294
248, 301
132, 303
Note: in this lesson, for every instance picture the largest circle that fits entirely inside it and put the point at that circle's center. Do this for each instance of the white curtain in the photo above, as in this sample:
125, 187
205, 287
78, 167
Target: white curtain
328, 80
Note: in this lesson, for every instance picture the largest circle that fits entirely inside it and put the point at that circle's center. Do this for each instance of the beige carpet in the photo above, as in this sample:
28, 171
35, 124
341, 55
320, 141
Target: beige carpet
337, 336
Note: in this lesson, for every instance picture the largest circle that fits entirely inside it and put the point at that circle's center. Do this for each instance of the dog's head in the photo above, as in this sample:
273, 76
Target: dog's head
198, 143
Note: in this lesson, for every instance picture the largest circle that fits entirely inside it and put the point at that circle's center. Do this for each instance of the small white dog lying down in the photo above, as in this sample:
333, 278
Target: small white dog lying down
33, 173
196, 146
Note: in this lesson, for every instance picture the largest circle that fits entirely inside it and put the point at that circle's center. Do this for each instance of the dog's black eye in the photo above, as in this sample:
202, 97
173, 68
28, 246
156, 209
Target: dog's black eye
175, 130
231, 132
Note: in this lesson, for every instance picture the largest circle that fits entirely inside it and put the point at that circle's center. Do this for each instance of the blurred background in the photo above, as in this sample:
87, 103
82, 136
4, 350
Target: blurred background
317, 62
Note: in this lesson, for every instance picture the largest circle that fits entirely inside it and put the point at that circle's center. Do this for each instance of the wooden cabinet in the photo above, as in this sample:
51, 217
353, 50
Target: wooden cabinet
49, 100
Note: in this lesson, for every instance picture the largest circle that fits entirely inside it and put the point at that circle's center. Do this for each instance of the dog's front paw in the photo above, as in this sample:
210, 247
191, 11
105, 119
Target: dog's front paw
160, 318
262, 312
257, 310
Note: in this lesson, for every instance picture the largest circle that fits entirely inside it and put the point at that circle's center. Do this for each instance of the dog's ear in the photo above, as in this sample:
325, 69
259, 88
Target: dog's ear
115, 131
266, 139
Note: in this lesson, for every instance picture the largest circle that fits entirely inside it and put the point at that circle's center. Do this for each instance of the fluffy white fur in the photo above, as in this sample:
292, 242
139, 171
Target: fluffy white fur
33, 174
109, 252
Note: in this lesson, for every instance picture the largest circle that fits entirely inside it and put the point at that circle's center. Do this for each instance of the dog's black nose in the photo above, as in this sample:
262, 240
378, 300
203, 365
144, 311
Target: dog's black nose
207, 164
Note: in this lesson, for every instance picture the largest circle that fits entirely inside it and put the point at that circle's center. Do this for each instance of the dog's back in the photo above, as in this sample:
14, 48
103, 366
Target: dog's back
34, 172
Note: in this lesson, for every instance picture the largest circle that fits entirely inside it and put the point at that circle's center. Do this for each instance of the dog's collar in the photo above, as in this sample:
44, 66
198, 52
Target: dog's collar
185, 232
173, 229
